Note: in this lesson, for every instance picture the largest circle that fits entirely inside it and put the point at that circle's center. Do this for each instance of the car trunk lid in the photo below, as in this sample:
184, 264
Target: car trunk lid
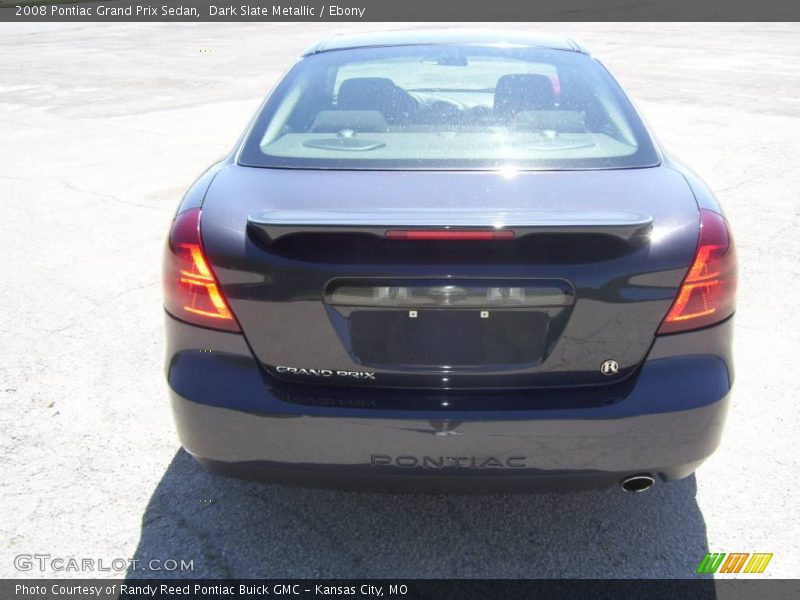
323, 295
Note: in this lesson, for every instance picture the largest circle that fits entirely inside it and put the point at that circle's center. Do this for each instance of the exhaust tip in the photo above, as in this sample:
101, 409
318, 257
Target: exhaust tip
636, 484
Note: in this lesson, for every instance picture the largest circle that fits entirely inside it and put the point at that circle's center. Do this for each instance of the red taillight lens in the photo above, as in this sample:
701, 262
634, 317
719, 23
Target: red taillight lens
708, 292
191, 292
449, 234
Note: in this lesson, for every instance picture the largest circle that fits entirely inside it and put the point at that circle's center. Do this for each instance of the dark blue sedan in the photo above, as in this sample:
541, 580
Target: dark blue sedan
449, 261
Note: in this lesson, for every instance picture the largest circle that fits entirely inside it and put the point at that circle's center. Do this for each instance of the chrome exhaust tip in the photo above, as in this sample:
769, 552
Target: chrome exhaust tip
636, 484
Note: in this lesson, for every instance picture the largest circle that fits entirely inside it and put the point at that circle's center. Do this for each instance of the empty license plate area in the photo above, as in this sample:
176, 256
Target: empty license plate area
451, 324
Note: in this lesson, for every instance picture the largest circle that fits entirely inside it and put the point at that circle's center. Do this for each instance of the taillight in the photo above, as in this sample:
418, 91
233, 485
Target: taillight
708, 292
191, 291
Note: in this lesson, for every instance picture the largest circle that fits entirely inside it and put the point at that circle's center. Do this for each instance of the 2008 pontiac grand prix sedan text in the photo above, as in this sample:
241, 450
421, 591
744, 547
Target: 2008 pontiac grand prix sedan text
449, 262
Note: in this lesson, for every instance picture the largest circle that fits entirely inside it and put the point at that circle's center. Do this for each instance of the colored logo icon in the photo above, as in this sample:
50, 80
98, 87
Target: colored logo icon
736, 562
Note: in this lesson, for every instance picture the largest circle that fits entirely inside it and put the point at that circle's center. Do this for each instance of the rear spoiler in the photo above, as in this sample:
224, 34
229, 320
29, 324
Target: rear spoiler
281, 223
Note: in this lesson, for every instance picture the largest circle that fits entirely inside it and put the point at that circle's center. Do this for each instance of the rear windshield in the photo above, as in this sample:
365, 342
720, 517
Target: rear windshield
448, 107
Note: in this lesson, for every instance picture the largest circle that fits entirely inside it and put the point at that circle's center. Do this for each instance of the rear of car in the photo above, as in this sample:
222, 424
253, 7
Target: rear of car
451, 266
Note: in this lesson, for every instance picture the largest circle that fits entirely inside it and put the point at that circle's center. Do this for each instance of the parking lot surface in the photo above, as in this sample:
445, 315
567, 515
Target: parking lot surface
103, 127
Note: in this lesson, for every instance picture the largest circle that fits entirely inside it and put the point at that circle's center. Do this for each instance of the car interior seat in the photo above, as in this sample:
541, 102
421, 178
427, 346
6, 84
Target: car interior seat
376, 94
521, 92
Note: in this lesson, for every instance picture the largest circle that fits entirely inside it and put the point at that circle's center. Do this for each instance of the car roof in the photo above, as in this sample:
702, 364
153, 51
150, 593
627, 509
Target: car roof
462, 37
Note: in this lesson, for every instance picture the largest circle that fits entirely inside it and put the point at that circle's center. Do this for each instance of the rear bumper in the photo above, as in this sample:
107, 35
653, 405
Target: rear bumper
233, 422
405, 455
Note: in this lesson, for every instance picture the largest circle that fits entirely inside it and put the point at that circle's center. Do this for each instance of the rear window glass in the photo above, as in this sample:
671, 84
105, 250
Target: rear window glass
448, 107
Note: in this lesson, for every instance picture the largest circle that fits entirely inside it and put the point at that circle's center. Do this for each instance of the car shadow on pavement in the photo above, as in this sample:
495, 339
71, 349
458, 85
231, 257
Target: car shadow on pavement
232, 528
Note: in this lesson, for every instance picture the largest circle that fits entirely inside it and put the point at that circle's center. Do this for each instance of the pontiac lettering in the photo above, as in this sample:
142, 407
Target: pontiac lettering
441, 462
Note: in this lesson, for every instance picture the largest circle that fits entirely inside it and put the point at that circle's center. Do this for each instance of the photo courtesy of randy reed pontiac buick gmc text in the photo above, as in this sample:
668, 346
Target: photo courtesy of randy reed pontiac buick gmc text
251, 590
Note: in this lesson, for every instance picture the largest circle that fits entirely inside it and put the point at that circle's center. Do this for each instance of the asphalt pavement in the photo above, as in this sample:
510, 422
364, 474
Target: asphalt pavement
103, 127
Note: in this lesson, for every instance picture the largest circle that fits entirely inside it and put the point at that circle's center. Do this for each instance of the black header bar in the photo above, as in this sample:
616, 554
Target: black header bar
399, 10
